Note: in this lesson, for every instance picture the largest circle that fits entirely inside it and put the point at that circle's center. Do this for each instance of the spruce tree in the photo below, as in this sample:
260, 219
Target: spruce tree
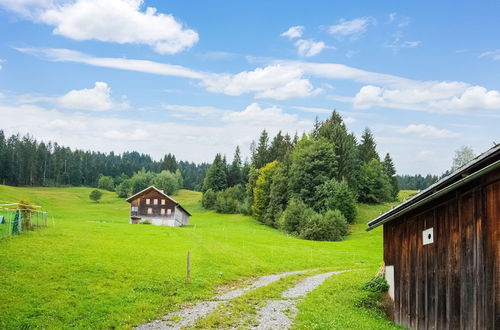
368, 148
390, 170
261, 155
235, 171
216, 177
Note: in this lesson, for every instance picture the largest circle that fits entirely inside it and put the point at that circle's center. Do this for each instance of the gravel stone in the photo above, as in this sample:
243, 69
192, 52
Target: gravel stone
187, 316
276, 314
264, 280
279, 314
307, 285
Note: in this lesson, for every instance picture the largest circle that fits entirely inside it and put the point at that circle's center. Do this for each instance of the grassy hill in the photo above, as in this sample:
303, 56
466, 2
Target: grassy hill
92, 269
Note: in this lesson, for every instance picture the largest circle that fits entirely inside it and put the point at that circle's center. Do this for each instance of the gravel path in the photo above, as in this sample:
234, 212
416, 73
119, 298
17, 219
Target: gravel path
264, 280
189, 315
278, 314
183, 317
274, 315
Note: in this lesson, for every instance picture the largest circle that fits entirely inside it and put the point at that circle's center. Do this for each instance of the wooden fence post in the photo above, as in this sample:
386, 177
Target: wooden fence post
188, 269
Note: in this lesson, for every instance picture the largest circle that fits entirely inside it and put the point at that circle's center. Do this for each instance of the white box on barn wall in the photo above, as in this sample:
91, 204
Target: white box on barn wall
389, 277
428, 236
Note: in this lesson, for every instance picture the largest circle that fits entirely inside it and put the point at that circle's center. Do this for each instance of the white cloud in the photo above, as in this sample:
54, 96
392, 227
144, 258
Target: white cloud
493, 54
290, 79
353, 28
293, 32
93, 99
30, 9
67, 55
425, 154
196, 142
120, 21
422, 130
443, 97
137, 134
274, 81
308, 48
255, 115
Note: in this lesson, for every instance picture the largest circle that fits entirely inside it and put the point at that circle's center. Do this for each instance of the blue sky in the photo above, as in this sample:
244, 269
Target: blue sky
199, 78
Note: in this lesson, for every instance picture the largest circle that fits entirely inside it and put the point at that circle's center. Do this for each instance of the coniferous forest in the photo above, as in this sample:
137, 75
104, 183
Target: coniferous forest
309, 185
24, 161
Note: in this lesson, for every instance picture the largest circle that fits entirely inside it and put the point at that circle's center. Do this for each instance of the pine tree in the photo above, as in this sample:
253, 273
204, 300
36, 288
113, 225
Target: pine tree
216, 177
335, 131
169, 163
261, 155
390, 170
235, 171
368, 147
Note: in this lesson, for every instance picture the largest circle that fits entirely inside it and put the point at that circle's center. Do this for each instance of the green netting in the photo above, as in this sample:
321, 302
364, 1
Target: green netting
16, 223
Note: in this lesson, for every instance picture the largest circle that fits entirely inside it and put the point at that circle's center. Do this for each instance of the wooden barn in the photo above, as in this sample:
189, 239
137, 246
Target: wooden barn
441, 250
154, 206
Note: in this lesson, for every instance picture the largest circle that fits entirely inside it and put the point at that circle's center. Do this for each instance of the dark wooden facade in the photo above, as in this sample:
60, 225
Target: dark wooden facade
454, 282
154, 206
143, 207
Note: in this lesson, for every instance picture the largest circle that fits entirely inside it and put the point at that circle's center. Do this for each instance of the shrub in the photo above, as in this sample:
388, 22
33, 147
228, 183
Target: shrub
106, 183
377, 284
124, 189
373, 184
208, 199
230, 200
95, 195
167, 181
375, 296
294, 216
331, 226
336, 195
27, 210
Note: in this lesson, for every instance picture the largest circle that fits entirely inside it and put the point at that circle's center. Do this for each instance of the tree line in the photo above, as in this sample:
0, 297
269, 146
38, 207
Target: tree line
306, 186
24, 161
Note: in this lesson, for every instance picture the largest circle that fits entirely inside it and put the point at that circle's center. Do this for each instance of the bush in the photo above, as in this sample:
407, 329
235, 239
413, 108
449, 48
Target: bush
167, 181
334, 195
331, 226
295, 216
208, 199
377, 284
124, 189
373, 184
106, 183
95, 195
376, 297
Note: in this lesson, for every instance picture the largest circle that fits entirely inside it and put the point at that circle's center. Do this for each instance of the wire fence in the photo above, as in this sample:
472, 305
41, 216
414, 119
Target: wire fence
16, 218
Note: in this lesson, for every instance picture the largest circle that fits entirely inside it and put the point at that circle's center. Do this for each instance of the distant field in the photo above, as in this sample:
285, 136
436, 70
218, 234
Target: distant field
91, 269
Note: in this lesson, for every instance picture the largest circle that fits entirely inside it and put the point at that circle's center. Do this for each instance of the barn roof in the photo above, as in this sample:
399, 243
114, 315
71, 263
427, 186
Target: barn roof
159, 191
480, 165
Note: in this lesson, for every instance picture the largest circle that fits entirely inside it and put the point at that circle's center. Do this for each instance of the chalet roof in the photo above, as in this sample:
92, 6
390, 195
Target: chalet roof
140, 193
484, 163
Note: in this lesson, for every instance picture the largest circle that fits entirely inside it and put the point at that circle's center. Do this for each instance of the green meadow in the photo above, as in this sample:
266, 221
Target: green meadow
91, 269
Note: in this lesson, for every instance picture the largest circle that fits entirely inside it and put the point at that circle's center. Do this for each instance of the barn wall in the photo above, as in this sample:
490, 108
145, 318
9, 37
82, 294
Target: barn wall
452, 283
140, 201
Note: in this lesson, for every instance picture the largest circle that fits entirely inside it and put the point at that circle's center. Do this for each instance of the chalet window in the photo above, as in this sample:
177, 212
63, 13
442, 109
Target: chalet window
150, 210
134, 209
162, 202
169, 211
162, 211
148, 201
155, 201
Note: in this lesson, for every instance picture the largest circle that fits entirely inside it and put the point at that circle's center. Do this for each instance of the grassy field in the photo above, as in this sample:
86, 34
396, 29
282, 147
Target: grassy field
91, 269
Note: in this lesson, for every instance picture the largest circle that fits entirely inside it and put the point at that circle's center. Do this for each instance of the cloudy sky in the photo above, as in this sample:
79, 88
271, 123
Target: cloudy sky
196, 78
